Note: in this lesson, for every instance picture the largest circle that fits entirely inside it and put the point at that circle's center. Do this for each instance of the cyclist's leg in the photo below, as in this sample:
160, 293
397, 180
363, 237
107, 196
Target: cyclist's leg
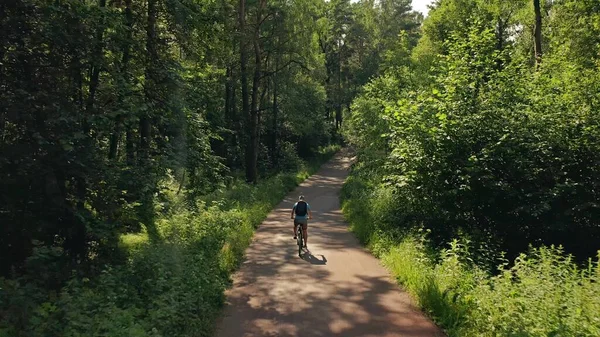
295, 228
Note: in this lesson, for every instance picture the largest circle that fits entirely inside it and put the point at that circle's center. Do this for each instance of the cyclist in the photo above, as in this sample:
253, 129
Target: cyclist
302, 212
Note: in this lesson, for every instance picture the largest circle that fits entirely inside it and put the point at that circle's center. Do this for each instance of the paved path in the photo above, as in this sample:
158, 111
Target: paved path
339, 289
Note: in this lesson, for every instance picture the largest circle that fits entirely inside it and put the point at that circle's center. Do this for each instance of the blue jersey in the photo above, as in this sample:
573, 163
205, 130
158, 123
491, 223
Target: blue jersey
302, 216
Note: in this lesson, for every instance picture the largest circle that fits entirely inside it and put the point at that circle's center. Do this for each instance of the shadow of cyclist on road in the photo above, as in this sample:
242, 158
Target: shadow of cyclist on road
310, 258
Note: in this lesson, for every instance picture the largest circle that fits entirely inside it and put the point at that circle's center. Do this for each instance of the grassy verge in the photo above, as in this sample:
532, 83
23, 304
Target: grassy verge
541, 293
172, 287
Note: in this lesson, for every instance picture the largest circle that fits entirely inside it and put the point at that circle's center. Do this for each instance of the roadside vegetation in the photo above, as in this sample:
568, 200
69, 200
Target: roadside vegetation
169, 285
476, 179
141, 142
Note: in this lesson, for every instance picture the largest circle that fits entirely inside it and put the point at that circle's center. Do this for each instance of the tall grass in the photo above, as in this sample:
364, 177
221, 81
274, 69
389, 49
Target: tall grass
541, 293
168, 287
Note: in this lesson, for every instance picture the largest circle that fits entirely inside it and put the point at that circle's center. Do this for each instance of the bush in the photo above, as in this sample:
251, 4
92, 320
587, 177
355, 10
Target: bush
173, 286
478, 153
541, 293
502, 154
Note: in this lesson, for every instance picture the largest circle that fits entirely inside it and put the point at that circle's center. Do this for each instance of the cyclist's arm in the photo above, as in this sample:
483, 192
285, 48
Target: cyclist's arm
293, 209
309, 211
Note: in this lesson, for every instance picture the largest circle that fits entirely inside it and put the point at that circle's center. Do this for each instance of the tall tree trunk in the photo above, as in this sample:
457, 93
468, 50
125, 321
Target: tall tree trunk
130, 146
230, 119
145, 126
275, 120
96, 64
3, 44
252, 145
114, 141
77, 240
500, 36
245, 97
274, 131
328, 98
150, 83
538, 31
234, 122
145, 129
243, 60
252, 149
228, 90
129, 134
115, 138
338, 112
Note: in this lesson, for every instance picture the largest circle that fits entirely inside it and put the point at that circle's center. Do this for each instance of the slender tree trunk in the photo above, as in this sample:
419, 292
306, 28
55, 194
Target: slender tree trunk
234, 121
3, 38
96, 66
94, 82
328, 103
145, 126
228, 89
252, 151
181, 182
80, 184
115, 138
130, 146
275, 120
538, 31
230, 119
114, 142
77, 240
252, 146
246, 110
275, 132
145, 129
243, 60
150, 84
500, 36
338, 112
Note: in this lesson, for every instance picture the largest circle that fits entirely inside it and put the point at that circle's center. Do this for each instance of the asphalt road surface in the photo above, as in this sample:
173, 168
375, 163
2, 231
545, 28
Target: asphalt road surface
336, 289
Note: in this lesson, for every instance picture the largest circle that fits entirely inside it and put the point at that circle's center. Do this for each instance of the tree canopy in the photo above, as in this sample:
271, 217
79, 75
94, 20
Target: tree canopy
491, 127
479, 121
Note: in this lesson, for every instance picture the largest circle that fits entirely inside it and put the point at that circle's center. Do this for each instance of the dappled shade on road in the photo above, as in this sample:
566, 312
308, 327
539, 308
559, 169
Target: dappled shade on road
336, 289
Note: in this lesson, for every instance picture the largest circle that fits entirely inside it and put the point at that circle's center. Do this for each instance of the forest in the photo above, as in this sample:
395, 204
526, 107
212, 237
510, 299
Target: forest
142, 142
477, 179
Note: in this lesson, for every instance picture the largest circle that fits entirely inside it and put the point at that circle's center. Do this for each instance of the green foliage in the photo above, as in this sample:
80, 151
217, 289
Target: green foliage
465, 299
489, 149
477, 159
106, 102
369, 124
302, 107
545, 280
170, 287
122, 133
93, 118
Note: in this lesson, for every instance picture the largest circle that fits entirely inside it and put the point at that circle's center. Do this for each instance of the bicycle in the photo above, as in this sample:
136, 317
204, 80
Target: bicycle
300, 239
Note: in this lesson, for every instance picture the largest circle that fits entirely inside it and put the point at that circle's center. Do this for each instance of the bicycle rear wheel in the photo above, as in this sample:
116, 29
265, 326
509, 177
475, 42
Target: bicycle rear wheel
300, 242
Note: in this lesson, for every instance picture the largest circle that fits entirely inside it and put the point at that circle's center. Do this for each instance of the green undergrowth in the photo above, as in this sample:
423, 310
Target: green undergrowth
173, 286
541, 293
